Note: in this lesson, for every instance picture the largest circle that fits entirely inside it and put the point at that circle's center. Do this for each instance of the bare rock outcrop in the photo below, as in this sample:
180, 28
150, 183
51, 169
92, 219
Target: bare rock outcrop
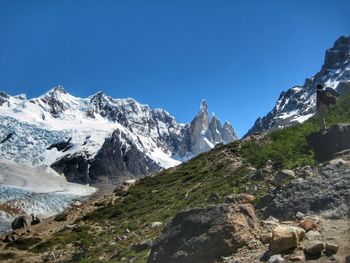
205, 234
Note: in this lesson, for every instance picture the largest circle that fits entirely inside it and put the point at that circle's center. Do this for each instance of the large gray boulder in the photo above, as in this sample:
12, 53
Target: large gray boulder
204, 234
326, 193
327, 143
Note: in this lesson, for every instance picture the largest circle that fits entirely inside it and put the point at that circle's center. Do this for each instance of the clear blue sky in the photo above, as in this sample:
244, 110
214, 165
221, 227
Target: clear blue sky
238, 54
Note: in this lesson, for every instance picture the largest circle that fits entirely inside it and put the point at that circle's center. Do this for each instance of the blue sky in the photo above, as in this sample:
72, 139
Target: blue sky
239, 55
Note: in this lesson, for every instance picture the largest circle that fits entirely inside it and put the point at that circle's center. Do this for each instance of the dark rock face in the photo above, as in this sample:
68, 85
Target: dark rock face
334, 140
118, 159
4, 98
61, 146
299, 103
75, 167
325, 193
204, 234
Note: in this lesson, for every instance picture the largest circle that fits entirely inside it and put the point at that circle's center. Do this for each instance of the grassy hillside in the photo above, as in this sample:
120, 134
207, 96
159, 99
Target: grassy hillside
111, 230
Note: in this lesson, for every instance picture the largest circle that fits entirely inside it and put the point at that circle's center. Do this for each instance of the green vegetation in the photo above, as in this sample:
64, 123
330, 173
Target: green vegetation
110, 231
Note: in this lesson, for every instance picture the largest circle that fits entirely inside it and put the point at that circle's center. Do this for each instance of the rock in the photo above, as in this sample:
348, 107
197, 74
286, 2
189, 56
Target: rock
22, 221
299, 216
61, 217
265, 238
328, 143
332, 248
204, 234
309, 224
36, 219
314, 248
9, 238
146, 244
285, 238
305, 171
330, 180
297, 258
271, 221
275, 259
241, 198
283, 176
155, 224
213, 198
313, 235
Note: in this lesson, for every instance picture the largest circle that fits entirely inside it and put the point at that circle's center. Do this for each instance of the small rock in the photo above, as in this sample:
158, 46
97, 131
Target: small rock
309, 224
9, 238
313, 235
77, 203
271, 221
297, 258
213, 198
332, 248
283, 176
266, 238
155, 224
314, 248
299, 216
275, 259
146, 244
285, 238
61, 217
241, 198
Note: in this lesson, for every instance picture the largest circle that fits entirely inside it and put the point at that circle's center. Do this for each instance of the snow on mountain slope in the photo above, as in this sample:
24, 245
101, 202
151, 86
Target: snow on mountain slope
298, 104
68, 133
25, 189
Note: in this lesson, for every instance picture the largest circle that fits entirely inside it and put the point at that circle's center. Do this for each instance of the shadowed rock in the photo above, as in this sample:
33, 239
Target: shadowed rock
330, 142
205, 234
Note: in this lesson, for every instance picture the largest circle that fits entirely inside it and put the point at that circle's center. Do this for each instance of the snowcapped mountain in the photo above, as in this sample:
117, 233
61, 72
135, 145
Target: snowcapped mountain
299, 103
92, 139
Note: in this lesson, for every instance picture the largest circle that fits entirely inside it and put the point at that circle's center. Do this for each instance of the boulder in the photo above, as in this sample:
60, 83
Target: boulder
241, 198
326, 144
310, 224
9, 238
283, 176
36, 219
143, 245
61, 217
332, 248
22, 221
314, 248
204, 234
313, 235
285, 238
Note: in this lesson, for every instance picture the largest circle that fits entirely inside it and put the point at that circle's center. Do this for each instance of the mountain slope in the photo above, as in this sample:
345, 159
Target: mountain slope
97, 138
299, 103
205, 179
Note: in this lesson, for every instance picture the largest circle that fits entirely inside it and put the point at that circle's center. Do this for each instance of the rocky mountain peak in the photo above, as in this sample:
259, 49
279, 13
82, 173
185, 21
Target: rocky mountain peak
205, 133
338, 55
204, 105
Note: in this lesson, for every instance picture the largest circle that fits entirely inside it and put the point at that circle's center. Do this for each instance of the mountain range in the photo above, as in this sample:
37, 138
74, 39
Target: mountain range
100, 138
